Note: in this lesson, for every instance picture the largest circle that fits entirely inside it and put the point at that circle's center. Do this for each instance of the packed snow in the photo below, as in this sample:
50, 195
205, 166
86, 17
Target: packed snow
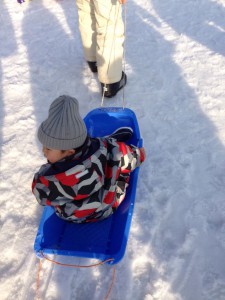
175, 63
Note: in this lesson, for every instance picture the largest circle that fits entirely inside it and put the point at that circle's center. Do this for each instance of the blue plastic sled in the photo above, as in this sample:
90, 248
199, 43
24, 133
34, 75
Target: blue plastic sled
106, 239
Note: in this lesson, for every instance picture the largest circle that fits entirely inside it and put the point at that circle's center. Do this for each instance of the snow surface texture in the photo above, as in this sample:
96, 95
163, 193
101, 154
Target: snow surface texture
175, 62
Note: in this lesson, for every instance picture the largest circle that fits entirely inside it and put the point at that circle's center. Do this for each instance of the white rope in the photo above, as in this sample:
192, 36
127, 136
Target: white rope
124, 48
103, 95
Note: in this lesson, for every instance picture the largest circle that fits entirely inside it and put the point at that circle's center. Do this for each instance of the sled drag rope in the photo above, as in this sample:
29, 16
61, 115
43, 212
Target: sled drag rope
124, 48
73, 266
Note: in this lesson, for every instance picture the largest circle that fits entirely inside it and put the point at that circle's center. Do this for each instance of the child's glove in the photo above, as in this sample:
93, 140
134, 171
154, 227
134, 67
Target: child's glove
143, 154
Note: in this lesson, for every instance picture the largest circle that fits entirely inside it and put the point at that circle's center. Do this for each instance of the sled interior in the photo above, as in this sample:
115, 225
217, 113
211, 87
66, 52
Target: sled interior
104, 239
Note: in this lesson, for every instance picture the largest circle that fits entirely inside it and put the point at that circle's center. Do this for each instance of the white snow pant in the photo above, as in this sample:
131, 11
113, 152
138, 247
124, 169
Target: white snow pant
102, 34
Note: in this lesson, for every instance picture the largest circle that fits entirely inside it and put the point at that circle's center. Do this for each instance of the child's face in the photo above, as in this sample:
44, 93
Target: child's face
54, 155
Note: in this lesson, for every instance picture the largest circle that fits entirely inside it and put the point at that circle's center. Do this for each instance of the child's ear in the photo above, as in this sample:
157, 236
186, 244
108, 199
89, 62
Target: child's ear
71, 151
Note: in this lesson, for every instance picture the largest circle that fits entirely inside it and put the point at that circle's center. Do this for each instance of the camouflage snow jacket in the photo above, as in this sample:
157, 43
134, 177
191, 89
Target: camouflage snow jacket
90, 185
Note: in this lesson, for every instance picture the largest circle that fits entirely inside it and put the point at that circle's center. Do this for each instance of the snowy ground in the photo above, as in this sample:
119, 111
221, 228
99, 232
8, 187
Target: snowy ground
175, 62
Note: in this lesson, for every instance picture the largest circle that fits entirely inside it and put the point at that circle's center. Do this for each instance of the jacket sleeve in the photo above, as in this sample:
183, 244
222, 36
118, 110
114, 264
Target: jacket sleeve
132, 157
60, 189
43, 192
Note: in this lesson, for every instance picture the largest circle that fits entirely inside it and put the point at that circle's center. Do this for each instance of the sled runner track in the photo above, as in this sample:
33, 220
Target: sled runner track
29, 280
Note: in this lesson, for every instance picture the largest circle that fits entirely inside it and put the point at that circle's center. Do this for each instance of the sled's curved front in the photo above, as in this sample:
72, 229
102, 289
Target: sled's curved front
101, 240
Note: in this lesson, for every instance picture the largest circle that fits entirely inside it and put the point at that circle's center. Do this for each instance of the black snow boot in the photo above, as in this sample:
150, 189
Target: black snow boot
93, 66
111, 89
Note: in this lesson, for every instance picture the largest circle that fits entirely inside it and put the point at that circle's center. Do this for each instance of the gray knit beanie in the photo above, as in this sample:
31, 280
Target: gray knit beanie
64, 128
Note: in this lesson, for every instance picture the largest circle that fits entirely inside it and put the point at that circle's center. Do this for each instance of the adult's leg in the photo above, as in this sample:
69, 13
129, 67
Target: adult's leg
110, 38
87, 27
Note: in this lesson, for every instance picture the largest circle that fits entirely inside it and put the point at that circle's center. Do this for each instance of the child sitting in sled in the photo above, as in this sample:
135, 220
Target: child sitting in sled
85, 179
